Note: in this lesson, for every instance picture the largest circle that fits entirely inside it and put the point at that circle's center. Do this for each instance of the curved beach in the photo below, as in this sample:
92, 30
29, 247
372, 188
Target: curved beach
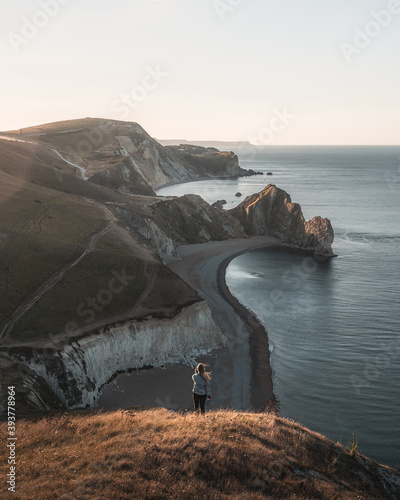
241, 370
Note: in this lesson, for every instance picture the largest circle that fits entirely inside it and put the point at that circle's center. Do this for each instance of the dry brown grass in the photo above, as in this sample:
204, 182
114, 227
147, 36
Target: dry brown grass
156, 454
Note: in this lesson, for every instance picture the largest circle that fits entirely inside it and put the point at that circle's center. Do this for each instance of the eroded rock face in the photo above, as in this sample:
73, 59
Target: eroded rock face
272, 213
319, 234
219, 204
189, 219
76, 372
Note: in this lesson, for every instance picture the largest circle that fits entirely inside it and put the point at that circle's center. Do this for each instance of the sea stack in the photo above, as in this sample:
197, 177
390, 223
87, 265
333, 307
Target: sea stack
272, 213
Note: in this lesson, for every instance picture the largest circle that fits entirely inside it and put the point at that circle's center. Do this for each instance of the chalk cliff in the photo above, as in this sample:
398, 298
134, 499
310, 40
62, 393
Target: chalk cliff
77, 370
209, 161
271, 212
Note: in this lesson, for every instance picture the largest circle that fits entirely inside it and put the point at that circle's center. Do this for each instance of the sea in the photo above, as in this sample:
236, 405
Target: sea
333, 325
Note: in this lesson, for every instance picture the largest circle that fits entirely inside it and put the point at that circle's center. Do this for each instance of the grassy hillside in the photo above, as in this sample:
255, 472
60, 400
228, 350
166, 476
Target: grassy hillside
62, 245
157, 454
48, 218
57, 127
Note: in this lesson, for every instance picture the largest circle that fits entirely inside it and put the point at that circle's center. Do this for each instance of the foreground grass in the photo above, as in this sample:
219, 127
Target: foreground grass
156, 454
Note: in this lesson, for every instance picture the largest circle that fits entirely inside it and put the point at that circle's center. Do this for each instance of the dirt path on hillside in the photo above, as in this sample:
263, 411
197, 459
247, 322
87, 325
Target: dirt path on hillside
52, 280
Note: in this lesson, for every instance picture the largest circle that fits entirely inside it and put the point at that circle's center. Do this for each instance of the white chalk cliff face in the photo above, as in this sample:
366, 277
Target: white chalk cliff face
272, 213
78, 370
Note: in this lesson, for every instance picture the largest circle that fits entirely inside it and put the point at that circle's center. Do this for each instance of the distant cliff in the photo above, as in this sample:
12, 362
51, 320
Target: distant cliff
271, 212
123, 156
206, 162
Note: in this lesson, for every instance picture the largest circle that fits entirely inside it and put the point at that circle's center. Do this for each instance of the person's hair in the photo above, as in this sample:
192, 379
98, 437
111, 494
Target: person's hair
201, 370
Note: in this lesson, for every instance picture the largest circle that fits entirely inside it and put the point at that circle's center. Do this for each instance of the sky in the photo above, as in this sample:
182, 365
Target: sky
266, 71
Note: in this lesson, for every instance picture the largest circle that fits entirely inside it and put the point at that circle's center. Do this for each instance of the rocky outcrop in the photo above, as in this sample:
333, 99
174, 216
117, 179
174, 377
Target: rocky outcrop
272, 213
76, 372
318, 236
189, 219
219, 204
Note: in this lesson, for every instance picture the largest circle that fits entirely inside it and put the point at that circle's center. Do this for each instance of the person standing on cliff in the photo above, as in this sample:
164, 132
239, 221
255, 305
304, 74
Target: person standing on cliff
200, 380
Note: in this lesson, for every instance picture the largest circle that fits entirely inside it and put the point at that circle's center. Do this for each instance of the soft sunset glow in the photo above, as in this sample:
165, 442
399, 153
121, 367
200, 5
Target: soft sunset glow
207, 70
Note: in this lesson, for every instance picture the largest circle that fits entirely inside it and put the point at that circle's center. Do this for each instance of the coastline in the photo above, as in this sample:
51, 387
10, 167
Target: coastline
241, 370
205, 178
262, 389
242, 377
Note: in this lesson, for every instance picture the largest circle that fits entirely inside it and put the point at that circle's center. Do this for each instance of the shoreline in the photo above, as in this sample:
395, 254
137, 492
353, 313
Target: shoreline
245, 360
241, 371
209, 178
259, 343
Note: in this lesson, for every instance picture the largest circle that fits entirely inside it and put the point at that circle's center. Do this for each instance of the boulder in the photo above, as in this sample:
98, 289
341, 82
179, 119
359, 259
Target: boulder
219, 204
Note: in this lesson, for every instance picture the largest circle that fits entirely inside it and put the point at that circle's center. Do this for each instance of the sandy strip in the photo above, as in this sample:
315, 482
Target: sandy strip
241, 370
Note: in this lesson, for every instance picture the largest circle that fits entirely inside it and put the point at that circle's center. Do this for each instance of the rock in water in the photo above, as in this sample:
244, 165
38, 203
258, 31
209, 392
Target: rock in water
219, 204
319, 236
272, 213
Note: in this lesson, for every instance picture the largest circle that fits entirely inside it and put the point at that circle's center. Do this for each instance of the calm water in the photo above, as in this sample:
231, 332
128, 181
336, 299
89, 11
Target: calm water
334, 327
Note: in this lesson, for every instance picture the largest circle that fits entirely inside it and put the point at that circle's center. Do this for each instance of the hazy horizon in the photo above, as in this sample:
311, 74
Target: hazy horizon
220, 70
215, 140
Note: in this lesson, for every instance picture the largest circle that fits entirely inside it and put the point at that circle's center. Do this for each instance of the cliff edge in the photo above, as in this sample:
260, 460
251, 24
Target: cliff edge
155, 453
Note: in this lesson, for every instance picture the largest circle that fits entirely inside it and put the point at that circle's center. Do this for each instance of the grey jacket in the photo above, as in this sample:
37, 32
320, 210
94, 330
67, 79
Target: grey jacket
199, 385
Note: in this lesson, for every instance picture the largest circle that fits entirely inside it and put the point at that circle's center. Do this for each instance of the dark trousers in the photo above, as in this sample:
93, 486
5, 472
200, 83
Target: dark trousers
199, 400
